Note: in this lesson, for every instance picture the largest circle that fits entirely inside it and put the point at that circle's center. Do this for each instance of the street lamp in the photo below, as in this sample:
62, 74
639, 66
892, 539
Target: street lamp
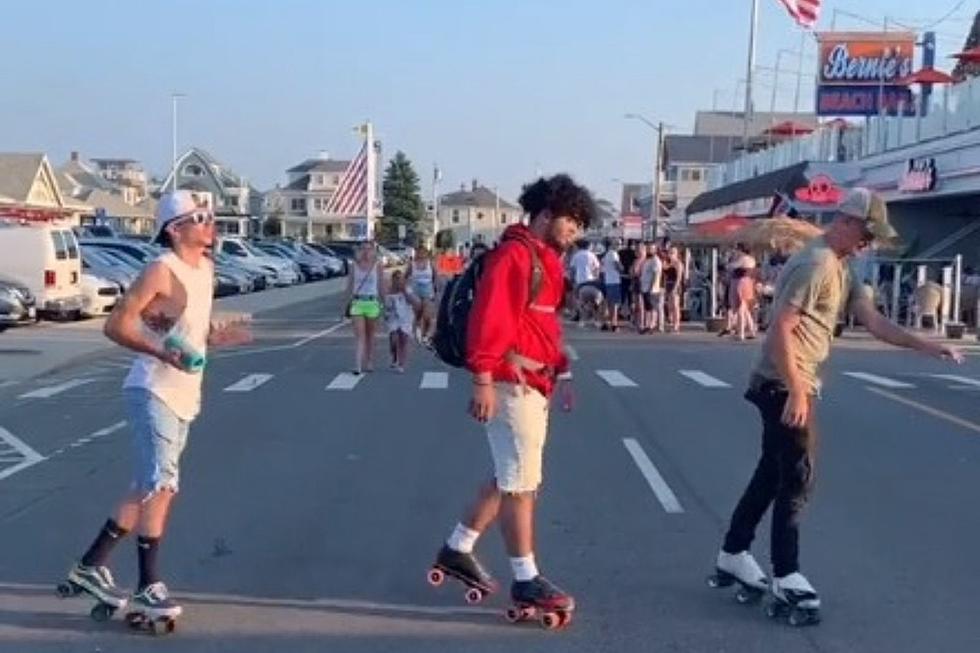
659, 128
174, 97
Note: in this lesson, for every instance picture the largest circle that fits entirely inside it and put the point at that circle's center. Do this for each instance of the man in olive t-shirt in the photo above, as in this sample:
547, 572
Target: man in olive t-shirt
811, 293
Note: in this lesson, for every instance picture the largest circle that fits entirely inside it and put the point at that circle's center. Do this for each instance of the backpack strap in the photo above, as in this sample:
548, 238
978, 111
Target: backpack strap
537, 276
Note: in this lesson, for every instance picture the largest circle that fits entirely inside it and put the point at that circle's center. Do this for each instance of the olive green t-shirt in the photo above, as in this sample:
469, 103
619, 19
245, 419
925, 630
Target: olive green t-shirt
820, 286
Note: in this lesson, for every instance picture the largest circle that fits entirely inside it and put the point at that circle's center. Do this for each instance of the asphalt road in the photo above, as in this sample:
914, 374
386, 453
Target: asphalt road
308, 516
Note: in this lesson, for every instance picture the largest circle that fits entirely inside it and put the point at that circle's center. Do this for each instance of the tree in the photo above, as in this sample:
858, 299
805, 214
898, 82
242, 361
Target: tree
402, 199
272, 225
445, 239
964, 70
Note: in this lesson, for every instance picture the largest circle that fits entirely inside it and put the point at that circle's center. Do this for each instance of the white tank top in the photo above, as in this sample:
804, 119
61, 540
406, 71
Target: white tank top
179, 390
423, 276
365, 283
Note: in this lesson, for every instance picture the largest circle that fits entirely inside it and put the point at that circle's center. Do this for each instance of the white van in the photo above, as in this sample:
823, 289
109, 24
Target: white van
44, 257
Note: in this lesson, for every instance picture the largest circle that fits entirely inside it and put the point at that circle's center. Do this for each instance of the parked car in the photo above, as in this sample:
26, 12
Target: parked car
132, 263
44, 257
249, 280
286, 273
143, 252
101, 295
101, 264
331, 255
334, 264
311, 264
225, 284
17, 304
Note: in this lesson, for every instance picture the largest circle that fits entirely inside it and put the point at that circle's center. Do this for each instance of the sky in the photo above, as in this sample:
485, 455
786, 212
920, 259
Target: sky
492, 90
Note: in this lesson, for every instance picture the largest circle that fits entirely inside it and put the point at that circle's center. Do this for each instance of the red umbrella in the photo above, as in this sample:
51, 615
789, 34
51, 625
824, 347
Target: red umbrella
722, 226
788, 128
927, 76
971, 55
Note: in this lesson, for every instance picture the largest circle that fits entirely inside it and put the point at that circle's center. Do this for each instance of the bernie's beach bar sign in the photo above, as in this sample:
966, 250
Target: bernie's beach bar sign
859, 72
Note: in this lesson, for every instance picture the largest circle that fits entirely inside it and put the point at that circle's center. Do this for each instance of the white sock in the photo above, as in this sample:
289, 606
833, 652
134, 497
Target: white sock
463, 539
524, 568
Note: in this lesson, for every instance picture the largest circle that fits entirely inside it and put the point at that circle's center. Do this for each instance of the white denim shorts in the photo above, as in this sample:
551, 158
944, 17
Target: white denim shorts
517, 435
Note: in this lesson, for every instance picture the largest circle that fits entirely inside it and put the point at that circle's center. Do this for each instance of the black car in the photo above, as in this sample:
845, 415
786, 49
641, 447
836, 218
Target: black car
17, 304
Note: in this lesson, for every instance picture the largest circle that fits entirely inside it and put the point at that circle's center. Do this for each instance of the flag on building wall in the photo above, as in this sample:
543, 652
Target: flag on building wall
351, 196
804, 12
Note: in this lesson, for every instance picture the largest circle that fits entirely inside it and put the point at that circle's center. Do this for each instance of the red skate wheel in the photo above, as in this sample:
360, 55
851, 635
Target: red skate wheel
514, 614
436, 577
550, 620
473, 596
566, 618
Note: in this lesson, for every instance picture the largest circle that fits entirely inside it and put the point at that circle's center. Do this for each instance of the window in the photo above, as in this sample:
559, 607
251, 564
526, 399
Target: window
696, 174
193, 170
317, 203
231, 202
479, 216
503, 218
72, 245
685, 175
60, 246
455, 216
336, 180
297, 204
319, 180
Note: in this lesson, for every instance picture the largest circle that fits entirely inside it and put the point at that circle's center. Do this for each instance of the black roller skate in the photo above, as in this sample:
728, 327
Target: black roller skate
465, 568
794, 599
98, 583
741, 568
152, 609
540, 599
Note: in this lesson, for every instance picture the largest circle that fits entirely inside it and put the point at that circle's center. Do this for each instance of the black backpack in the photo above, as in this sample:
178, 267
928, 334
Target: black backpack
449, 340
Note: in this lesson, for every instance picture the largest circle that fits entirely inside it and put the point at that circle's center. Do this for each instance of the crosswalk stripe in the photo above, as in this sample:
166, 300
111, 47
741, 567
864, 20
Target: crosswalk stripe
248, 383
572, 354
704, 379
661, 490
616, 379
434, 381
962, 380
883, 381
345, 381
52, 390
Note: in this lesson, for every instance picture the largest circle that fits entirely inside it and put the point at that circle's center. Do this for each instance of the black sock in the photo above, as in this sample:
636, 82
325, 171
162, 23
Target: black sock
110, 535
148, 547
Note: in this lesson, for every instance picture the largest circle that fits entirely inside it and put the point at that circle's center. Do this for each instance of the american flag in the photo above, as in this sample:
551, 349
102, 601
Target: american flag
350, 198
804, 12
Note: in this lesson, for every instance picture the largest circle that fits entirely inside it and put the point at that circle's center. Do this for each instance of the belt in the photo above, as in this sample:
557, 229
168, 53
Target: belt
366, 297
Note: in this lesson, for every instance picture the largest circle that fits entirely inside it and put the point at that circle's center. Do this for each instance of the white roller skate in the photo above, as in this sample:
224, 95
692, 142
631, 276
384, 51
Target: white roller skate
794, 598
741, 568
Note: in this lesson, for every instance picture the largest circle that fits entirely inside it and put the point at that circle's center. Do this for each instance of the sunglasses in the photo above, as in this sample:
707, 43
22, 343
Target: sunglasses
198, 217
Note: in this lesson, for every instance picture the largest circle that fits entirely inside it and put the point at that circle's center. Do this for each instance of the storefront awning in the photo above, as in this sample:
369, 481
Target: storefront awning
784, 181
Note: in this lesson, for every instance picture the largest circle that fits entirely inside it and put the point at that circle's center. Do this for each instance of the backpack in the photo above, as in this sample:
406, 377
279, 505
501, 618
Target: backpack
449, 341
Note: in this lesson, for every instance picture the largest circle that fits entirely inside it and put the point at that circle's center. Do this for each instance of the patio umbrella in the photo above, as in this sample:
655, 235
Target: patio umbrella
781, 233
927, 76
971, 55
722, 226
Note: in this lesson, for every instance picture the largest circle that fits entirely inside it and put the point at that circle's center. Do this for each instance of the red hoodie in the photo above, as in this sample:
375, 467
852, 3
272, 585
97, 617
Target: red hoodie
503, 321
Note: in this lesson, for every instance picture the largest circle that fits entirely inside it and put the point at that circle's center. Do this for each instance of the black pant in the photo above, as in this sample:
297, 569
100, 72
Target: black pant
783, 478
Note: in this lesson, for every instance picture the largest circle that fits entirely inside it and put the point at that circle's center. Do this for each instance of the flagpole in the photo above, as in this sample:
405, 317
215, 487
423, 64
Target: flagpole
748, 77
371, 178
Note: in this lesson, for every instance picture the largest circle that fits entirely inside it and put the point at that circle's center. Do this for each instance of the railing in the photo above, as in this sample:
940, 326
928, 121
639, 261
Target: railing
952, 109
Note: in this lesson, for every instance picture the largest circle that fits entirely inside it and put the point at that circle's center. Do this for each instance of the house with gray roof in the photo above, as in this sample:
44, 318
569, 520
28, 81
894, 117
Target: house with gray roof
476, 214
301, 205
29, 188
227, 192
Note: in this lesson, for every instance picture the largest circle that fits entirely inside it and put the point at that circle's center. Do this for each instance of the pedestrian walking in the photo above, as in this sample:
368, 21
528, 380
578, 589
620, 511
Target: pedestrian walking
422, 282
365, 294
400, 320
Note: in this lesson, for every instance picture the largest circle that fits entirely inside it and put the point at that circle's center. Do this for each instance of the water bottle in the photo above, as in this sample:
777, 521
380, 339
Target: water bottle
190, 359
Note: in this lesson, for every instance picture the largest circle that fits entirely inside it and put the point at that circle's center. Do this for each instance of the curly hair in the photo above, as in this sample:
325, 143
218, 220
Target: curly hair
560, 196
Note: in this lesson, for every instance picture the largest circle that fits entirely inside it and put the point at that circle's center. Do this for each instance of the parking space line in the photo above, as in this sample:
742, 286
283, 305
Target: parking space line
616, 379
52, 390
434, 381
656, 482
345, 381
955, 378
248, 383
929, 410
704, 379
883, 381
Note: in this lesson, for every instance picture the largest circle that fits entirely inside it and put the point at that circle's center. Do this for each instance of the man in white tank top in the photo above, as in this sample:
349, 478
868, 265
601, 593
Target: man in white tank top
166, 319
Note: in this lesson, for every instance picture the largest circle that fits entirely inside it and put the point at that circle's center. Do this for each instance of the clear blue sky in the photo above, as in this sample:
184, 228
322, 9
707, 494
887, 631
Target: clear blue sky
491, 89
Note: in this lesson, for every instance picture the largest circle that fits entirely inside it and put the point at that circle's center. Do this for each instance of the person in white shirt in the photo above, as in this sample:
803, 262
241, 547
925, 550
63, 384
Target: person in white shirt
651, 290
165, 317
612, 278
585, 265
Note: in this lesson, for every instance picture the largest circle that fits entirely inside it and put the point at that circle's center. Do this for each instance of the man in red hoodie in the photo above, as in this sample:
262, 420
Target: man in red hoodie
515, 352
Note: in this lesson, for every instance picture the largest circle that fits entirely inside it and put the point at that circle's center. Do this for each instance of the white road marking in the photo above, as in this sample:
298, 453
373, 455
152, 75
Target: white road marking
657, 483
961, 380
434, 381
704, 379
572, 354
883, 381
108, 430
7, 384
616, 379
294, 345
345, 381
929, 410
248, 383
52, 390
28, 455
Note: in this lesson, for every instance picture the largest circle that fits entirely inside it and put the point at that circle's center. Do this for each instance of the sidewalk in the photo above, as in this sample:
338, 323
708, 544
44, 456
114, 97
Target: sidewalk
27, 352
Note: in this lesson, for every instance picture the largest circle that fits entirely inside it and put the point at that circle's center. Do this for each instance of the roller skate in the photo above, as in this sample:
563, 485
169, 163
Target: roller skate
540, 599
794, 599
741, 568
465, 568
153, 610
98, 583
